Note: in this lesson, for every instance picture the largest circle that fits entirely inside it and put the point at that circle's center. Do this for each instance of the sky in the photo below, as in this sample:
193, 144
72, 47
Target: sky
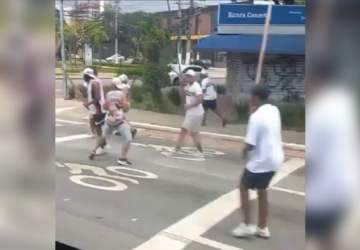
149, 5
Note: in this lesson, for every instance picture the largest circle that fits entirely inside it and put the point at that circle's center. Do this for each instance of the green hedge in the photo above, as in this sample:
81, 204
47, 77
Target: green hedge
292, 115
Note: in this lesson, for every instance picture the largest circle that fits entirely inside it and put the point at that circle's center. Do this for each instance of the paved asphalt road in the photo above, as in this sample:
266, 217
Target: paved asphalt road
162, 203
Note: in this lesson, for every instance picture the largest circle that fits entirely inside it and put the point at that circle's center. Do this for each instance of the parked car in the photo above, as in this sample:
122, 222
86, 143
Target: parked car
112, 58
205, 63
174, 72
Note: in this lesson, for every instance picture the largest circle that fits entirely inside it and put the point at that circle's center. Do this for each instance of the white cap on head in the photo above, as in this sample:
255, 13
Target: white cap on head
123, 78
190, 72
89, 72
204, 72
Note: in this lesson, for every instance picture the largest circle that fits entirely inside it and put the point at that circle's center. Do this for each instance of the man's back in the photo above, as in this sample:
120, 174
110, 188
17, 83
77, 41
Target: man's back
264, 132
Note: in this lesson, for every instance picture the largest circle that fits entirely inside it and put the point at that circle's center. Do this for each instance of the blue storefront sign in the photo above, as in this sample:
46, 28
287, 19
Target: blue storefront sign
241, 14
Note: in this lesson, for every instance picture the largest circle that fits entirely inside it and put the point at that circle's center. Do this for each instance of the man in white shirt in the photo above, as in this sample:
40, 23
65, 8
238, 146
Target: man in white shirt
264, 154
210, 97
194, 111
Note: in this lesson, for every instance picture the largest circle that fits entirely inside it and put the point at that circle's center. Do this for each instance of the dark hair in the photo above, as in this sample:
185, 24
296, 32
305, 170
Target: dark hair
260, 91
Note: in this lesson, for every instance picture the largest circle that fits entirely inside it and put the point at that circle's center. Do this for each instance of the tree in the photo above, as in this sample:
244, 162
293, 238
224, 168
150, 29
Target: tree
96, 35
152, 40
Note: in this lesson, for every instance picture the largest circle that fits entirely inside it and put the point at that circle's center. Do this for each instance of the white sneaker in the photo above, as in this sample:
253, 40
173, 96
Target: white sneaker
99, 151
244, 230
263, 232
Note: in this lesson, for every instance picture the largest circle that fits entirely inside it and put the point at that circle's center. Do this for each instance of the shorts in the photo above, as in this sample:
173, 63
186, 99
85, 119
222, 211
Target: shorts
258, 181
123, 129
192, 123
322, 224
210, 104
99, 119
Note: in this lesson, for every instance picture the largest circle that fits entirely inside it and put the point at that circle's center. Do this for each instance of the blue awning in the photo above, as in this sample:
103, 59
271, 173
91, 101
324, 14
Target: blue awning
248, 43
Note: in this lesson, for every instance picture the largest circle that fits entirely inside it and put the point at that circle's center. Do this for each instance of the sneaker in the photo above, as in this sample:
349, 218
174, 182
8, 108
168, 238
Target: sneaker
100, 151
263, 233
123, 162
133, 132
243, 231
92, 156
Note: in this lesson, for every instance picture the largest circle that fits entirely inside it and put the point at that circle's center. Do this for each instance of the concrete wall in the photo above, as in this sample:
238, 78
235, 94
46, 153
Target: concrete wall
283, 74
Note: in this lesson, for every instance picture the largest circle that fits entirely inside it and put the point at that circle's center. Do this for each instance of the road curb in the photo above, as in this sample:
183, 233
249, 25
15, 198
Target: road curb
233, 138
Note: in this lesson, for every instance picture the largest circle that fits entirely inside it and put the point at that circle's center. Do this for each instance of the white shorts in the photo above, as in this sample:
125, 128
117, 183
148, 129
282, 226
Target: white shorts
192, 123
124, 129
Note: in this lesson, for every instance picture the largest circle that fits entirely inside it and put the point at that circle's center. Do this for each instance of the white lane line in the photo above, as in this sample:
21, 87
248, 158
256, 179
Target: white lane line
197, 223
215, 244
60, 110
72, 138
70, 122
288, 191
210, 134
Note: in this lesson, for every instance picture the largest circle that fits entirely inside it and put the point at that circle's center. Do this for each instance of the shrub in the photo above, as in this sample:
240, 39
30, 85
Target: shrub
137, 93
221, 89
292, 115
174, 96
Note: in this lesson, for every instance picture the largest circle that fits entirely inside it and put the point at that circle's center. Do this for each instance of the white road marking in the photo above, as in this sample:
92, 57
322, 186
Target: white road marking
70, 122
215, 244
72, 138
197, 223
117, 186
288, 191
67, 199
210, 134
61, 110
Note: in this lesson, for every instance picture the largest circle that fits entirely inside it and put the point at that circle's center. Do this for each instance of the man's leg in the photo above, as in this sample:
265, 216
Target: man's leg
245, 204
181, 139
196, 138
206, 109
125, 131
92, 125
263, 208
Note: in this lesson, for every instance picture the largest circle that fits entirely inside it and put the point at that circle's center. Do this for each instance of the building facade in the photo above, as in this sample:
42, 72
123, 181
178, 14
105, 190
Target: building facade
240, 36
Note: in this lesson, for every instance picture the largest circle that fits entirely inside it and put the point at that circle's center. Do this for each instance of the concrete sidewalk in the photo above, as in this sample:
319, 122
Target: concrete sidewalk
213, 125
175, 121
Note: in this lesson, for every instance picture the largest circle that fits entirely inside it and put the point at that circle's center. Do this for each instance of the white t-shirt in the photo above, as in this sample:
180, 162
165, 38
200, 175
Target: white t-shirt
209, 88
264, 132
331, 150
192, 92
114, 99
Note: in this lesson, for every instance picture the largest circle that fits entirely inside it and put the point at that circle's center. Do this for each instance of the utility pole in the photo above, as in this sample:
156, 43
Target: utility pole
179, 49
116, 32
263, 44
66, 95
189, 31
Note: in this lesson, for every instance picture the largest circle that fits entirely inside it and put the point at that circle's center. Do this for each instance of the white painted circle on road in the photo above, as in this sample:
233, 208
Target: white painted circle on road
140, 173
116, 185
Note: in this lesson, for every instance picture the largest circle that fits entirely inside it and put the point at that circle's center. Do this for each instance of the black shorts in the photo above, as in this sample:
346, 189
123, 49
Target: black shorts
99, 119
259, 181
210, 104
322, 224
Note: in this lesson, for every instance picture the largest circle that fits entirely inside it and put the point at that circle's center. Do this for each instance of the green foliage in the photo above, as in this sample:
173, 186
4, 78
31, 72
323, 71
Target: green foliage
131, 70
221, 89
174, 96
292, 115
152, 40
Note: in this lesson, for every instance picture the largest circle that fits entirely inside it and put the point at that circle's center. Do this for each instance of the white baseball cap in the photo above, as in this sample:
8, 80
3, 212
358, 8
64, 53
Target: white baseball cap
89, 72
190, 72
204, 72
123, 78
